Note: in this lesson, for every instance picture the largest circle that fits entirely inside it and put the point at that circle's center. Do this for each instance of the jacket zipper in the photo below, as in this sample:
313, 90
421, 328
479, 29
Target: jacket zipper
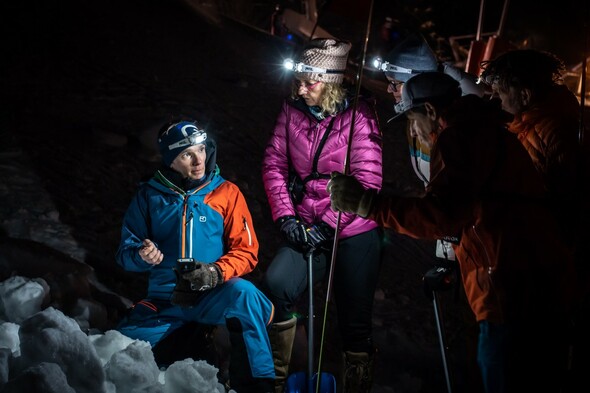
487, 266
247, 229
184, 223
490, 271
489, 262
187, 224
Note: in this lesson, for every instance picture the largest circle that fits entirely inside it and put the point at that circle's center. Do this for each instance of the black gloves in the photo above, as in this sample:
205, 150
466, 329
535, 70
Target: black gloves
302, 236
319, 234
347, 194
204, 276
293, 230
190, 284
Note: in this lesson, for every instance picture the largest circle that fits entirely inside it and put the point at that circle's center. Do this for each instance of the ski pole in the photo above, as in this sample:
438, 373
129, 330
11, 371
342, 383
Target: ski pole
435, 279
359, 76
310, 316
441, 339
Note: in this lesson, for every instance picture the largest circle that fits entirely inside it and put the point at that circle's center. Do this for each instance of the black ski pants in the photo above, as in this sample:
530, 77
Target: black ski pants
356, 274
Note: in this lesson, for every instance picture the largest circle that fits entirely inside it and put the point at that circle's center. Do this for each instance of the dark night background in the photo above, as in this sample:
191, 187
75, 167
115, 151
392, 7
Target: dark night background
84, 86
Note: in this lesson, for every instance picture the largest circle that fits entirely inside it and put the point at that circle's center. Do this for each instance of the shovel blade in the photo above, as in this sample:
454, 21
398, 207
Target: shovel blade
299, 383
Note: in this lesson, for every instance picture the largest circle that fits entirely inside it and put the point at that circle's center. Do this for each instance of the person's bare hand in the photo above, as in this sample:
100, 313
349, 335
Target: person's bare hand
150, 253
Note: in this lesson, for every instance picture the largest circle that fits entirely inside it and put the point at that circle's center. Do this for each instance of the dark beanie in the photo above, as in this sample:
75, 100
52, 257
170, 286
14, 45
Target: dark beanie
175, 138
413, 53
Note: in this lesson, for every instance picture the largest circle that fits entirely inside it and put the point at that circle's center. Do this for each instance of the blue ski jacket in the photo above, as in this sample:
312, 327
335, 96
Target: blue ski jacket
211, 224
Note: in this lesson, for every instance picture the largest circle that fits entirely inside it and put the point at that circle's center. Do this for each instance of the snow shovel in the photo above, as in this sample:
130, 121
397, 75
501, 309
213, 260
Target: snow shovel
301, 382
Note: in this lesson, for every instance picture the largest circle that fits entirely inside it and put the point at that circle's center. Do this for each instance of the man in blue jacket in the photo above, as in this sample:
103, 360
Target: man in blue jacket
191, 231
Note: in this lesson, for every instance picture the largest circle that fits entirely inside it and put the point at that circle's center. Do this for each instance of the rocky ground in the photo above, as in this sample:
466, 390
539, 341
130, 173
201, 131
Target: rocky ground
85, 86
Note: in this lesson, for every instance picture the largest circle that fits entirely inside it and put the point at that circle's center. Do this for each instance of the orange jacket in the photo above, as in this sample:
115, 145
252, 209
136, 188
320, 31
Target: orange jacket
549, 133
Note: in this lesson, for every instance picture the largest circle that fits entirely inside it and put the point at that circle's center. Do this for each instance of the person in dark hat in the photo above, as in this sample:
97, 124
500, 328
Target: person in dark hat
411, 57
309, 141
191, 231
485, 194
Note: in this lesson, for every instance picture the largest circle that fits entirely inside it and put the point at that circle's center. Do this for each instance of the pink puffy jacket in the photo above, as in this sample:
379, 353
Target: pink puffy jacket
295, 139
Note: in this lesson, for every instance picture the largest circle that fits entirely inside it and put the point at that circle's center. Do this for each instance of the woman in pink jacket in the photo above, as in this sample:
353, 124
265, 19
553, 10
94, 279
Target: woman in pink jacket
310, 139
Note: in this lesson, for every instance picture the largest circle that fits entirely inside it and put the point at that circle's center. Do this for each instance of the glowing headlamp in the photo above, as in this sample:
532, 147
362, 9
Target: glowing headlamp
290, 65
196, 137
385, 66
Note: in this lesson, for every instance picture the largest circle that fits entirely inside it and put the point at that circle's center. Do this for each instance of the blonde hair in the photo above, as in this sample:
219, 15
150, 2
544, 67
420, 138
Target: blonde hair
332, 96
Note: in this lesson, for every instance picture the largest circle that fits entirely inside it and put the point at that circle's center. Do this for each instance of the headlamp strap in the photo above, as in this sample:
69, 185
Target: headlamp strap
388, 67
197, 137
300, 67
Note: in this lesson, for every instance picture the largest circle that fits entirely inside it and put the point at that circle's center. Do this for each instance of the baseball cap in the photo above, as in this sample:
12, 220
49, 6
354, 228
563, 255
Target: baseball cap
427, 87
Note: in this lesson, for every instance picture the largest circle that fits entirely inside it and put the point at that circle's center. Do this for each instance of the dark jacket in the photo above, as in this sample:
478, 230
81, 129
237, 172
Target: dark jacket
485, 191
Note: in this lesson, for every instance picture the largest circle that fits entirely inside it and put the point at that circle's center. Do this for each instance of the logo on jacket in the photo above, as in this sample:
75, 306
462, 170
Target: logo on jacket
202, 218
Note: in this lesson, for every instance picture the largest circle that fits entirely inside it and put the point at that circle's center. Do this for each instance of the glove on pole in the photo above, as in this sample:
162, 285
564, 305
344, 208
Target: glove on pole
348, 195
294, 231
318, 235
